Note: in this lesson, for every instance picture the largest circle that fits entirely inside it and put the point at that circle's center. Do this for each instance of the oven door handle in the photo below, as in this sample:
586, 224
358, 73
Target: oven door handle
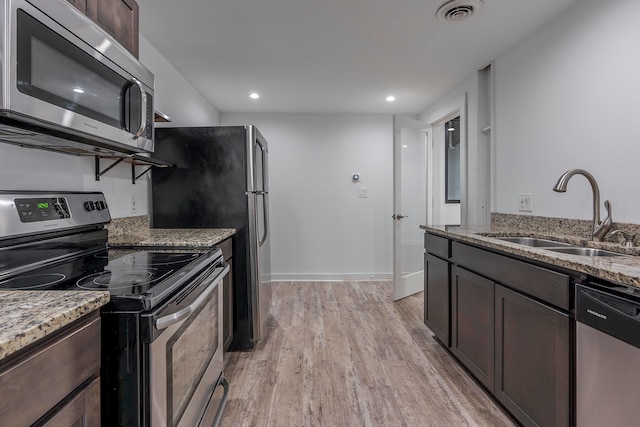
171, 319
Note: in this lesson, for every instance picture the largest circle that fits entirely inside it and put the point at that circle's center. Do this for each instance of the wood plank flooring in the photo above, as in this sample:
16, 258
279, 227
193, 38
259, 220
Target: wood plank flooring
344, 354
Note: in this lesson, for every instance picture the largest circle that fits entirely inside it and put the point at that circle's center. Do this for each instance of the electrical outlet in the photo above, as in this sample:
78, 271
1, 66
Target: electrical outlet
525, 202
363, 192
134, 203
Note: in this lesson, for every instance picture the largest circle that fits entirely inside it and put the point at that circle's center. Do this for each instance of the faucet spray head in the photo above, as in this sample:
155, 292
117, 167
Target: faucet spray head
561, 185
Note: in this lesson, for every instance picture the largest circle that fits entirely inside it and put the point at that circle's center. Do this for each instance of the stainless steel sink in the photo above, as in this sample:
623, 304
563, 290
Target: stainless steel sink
534, 242
572, 250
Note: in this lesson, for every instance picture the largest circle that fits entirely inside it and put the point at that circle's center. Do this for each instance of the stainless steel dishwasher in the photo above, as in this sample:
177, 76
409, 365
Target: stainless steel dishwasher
607, 356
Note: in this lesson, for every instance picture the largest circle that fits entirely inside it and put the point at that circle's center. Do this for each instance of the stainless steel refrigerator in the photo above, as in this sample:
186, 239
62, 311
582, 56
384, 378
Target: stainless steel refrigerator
221, 181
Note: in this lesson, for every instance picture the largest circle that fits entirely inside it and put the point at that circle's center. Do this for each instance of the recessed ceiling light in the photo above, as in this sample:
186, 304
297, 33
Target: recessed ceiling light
254, 95
391, 98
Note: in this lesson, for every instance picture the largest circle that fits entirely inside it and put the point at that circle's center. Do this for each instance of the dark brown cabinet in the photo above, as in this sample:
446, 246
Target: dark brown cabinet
437, 306
436, 297
227, 292
472, 323
511, 326
81, 5
532, 359
56, 382
120, 18
83, 410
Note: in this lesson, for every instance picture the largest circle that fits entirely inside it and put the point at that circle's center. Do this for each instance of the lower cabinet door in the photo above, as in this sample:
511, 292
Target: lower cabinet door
533, 366
83, 410
436, 297
472, 323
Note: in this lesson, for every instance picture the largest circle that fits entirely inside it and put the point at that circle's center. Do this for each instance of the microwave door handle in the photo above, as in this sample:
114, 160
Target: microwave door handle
171, 319
143, 110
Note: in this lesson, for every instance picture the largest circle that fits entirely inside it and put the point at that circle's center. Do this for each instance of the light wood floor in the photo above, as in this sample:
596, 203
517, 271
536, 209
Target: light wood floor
344, 354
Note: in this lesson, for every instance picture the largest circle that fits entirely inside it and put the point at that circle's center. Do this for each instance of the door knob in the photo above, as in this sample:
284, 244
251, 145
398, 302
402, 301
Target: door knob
398, 216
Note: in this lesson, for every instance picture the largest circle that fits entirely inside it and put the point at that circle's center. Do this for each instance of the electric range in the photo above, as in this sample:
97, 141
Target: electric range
161, 330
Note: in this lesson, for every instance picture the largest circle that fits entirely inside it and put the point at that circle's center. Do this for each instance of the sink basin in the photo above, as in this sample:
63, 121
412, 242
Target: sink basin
534, 242
584, 251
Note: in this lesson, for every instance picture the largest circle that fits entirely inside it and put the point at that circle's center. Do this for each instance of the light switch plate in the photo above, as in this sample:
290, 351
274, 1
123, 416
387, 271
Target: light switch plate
525, 202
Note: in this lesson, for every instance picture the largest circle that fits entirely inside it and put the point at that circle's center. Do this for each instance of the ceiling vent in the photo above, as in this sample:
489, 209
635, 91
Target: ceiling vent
458, 10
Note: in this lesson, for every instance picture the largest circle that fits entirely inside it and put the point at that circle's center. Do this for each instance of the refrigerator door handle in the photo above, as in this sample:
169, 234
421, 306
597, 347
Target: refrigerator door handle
265, 215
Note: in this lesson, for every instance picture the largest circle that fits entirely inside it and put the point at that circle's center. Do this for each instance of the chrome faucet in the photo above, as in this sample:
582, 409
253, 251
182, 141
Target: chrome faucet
600, 228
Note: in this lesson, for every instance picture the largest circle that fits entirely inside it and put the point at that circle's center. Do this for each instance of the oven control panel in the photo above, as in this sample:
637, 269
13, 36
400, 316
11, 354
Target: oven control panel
42, 209
31, 212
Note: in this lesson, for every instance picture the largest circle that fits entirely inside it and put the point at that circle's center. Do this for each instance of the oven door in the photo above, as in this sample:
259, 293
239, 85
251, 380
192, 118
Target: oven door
57, 75
185, 356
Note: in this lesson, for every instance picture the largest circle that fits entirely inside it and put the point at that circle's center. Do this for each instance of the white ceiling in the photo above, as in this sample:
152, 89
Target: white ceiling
333, 56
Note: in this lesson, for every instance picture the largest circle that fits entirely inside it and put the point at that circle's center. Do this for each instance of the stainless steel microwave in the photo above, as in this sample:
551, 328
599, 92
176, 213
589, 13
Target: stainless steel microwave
67, 85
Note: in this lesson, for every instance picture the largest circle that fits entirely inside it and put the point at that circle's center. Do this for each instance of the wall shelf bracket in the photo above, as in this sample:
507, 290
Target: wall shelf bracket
135, 160
99, 173
135, 177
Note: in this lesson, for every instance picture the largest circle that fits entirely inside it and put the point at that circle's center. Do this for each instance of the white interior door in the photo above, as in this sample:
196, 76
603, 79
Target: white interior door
410, 144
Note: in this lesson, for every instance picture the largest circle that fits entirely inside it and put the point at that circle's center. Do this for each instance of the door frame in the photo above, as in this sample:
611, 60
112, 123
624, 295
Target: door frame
401, 289
456, 107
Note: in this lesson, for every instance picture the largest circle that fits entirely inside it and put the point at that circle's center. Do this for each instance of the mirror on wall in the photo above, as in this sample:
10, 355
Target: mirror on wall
452, 160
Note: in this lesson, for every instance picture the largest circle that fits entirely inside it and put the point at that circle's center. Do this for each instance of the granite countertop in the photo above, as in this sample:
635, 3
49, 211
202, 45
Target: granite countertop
621, 269
184, 237
27, 316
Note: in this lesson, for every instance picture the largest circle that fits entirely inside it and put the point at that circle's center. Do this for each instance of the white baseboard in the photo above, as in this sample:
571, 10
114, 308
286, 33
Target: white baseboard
328, 277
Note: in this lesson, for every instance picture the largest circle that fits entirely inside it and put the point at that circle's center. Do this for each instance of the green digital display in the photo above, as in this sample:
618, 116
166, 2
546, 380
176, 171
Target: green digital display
43, 205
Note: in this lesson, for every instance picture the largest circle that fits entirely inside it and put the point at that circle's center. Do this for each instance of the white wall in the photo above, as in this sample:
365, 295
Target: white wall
321, 230
29, 169
568, 98
174, 95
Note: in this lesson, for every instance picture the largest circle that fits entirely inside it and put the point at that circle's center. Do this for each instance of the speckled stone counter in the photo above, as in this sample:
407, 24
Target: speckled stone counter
621, 269
27, 316
183, 237
135, 231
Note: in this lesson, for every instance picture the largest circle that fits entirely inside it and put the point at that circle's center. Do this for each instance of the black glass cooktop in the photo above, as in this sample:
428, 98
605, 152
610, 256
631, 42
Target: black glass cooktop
121, 272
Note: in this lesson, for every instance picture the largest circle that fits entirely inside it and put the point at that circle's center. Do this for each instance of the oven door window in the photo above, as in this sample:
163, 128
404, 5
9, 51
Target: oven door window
54, 70
189, 353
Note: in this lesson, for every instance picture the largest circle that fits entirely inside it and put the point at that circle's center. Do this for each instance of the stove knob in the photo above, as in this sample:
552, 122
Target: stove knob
100, 205
89, 205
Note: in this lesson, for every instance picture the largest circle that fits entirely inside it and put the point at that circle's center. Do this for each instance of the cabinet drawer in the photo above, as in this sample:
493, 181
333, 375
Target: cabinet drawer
437, 245
546, 285
227, 248
39, 381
